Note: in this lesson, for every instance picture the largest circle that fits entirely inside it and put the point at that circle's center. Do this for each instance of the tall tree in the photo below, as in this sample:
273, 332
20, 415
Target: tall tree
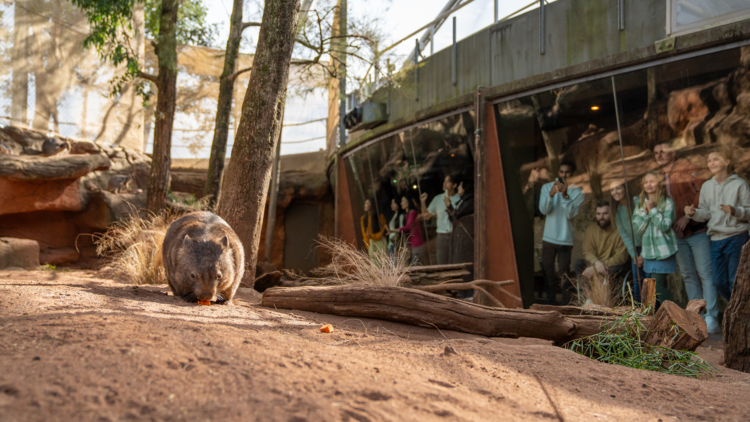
244, 192
226, 88
111, 32
224, 101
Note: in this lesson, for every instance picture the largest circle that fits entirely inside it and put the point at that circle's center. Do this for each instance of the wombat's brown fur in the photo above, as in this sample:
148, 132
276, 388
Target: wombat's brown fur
203, 258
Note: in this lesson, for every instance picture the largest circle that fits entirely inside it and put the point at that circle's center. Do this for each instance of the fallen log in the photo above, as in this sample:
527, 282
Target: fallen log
736, 326
421, 308
677, 328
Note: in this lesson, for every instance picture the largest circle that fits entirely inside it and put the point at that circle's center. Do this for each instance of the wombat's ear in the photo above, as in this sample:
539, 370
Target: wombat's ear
186, 239
224, 241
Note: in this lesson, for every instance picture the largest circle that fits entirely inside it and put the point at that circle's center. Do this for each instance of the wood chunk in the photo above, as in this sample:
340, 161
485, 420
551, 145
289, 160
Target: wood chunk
648, 293
696, 305
736, 326
676, 328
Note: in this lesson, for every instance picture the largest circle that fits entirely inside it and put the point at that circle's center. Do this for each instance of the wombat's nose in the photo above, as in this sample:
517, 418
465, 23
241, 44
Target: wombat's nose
205, 295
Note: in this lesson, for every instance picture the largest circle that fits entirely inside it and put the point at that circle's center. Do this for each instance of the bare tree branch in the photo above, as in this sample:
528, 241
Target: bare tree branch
239, 72
246, 25
148, 76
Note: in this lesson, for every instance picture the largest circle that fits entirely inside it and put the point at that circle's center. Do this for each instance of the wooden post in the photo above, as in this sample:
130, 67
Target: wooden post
648, 293
736, 327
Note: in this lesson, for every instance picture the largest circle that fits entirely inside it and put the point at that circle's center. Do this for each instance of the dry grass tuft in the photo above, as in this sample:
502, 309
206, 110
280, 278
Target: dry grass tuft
134, 247
599, 290
352, 266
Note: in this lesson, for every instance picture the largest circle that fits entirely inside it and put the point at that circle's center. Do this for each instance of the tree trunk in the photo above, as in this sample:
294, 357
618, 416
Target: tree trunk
166, 52
245, 186
736, 327
429, 310
224, 105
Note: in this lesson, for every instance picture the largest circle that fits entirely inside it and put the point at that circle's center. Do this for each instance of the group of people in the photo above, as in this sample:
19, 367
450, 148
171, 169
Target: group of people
679, 220
454, 241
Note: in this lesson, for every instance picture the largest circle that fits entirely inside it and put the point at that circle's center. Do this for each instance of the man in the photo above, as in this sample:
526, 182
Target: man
559, 202
683, 185
438, 208
604, 253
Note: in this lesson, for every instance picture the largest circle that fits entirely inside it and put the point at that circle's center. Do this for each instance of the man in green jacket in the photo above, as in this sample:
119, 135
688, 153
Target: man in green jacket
603, 251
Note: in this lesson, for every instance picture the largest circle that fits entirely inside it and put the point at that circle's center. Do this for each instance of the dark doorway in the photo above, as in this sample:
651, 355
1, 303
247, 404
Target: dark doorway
301, 225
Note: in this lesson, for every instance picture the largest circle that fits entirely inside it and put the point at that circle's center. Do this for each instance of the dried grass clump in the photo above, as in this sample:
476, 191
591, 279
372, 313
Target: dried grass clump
599, 290
134, 247
352, 266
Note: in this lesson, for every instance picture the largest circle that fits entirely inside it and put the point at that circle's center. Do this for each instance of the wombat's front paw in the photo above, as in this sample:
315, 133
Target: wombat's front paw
227, 302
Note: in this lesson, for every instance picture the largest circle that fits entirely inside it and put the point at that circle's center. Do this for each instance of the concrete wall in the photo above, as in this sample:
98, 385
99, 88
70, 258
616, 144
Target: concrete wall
577, 31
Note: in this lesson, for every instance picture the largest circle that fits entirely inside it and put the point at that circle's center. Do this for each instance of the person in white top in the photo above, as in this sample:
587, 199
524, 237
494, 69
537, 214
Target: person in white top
439, 208
725, 204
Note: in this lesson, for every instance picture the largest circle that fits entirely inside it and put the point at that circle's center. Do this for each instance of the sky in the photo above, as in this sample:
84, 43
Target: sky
397, 18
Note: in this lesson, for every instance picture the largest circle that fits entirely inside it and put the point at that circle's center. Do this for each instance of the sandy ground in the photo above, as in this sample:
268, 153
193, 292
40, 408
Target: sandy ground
75, 347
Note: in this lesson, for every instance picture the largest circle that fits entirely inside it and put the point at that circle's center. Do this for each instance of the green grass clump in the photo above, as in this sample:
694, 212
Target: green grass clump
621, 344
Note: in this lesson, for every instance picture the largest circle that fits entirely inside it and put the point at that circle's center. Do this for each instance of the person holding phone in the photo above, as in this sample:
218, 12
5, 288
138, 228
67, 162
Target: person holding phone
439, 208
559, 201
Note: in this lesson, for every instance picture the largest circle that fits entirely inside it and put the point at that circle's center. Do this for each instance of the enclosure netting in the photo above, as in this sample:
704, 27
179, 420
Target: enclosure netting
49, 82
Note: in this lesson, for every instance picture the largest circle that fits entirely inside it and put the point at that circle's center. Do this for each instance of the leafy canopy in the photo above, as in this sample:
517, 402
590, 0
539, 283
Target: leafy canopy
112, 34
192, 28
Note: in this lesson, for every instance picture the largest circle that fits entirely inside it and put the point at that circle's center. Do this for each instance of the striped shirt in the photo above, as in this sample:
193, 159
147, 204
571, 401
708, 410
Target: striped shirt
658, 238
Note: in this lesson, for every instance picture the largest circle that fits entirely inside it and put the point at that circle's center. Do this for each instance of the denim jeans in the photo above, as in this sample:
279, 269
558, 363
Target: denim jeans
694, 260
725, 257
551, 278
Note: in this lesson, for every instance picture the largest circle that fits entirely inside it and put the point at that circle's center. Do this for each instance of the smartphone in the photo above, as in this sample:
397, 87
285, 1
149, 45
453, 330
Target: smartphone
560, 179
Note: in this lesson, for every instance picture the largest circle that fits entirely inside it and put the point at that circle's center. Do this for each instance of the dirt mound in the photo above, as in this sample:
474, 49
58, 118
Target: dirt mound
77, 347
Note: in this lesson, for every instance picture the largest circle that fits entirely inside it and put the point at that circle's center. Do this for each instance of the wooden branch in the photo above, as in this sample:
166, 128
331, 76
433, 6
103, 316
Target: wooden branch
425, 309
473, 285
236, 74
676, 328
36, 167
148, 76
246, 25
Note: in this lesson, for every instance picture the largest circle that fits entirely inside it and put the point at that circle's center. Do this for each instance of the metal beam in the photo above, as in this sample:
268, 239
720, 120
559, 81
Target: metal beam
428, 35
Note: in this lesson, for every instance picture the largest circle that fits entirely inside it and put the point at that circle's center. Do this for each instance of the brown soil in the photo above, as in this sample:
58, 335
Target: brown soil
78, 347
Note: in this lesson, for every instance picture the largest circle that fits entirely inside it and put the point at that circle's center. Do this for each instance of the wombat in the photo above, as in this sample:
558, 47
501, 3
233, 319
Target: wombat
119, 183
203, 258
53, 146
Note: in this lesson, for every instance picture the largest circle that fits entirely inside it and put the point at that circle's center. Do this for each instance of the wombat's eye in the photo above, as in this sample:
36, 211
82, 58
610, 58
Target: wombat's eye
192, 276
218, 275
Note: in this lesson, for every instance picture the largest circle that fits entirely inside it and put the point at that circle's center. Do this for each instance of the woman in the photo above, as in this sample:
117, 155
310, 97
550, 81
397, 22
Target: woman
413, 227
462, 241
622, 208
653, 219
373, 230
394, 236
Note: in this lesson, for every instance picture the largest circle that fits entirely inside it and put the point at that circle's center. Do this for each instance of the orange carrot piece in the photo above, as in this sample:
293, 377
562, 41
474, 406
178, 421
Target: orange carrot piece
328, 328
204, 302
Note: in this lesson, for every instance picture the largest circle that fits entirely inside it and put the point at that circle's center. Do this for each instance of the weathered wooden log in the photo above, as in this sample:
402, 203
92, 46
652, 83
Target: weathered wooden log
36, 167
677, 328
428, 310
736, 326
648, 293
